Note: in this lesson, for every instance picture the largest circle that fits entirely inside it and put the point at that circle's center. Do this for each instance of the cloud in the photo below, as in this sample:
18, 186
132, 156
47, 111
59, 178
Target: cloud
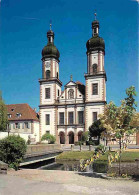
136, 1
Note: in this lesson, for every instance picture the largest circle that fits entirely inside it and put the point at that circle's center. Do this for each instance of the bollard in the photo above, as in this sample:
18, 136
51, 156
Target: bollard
80, 147
71, 147
90, 147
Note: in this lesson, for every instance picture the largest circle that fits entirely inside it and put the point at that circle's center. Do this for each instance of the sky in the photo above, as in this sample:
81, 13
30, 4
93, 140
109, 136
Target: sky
23, 28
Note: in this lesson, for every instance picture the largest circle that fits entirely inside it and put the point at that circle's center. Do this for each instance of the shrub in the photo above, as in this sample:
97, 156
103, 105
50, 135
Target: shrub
47, 136
78, 143
100, 148
85, 136
12, 150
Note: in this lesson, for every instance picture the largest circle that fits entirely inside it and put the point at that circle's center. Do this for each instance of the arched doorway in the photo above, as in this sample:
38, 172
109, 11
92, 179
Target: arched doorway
62, 137
71, 137
80, 135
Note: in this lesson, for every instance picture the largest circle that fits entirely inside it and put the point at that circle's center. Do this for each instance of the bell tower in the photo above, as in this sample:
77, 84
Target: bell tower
95, 96
50, 86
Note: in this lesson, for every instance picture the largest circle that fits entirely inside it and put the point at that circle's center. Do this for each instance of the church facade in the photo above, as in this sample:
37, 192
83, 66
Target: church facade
67, 114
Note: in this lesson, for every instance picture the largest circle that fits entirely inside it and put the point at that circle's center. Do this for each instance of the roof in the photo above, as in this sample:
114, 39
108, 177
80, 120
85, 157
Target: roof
27, 113
81, 87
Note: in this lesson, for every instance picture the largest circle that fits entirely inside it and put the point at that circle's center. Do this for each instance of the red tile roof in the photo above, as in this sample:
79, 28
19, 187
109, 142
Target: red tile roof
27, 113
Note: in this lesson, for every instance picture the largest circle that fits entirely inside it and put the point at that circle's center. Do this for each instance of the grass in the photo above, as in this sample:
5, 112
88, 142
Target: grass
75, 155
127, 156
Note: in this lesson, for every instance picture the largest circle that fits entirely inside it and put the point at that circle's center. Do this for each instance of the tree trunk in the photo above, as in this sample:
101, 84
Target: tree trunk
120, 157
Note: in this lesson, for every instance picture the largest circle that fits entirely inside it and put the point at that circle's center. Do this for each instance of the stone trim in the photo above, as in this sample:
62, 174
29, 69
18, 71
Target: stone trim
51, 68
99, 61
49, 81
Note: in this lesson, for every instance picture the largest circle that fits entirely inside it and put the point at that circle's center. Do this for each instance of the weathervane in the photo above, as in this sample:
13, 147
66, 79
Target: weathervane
95, 14
50, 24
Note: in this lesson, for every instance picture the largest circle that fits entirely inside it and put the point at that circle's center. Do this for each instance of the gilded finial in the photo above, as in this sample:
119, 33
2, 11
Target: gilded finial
70, 77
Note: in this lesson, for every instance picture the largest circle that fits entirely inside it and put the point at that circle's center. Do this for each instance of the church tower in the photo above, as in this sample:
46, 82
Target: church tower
50, 86
95, 95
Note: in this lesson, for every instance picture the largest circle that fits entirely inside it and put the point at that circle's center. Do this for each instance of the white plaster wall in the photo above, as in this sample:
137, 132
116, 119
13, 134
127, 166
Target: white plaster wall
89, 110
58, 88
69, 129
80, 129
45, 127
61, 130
36, 130
24, 134
51, 100
100, 89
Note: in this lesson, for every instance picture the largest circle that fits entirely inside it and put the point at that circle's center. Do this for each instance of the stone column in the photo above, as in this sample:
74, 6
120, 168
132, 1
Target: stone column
75, 135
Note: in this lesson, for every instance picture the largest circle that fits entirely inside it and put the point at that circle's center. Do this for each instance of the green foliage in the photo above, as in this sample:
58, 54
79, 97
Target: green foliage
78, 143
96, 129
117, 120
47, 136
100, 148
75, 155
12, 150
3, 115
85, 136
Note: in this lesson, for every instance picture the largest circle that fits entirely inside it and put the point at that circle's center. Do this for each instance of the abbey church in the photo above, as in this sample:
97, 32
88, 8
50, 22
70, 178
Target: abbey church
67, 114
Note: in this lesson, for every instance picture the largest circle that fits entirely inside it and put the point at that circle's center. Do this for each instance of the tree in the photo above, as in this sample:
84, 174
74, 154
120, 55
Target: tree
96, 129
12, 150
47, 136
118, 120
3, 115
85, 136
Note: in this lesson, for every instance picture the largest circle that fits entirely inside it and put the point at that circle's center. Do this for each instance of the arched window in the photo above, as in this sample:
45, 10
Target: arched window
57, 75
71, 94
94, 67
47, 74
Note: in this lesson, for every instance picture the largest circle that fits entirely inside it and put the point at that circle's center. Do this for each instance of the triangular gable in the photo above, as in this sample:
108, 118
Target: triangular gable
70, 83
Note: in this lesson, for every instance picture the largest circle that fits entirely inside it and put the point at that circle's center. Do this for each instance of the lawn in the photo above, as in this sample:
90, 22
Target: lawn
75, 155
127, 156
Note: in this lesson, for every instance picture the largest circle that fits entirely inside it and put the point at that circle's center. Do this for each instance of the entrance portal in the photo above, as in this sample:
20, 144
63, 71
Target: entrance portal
62, 137
71, 138
80, 136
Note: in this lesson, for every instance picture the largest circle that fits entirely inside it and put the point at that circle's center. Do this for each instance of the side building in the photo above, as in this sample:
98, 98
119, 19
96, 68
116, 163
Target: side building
23, 121
68, 113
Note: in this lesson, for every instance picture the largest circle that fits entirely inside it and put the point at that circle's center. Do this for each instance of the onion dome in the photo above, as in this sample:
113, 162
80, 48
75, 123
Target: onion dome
50, 50
96, 42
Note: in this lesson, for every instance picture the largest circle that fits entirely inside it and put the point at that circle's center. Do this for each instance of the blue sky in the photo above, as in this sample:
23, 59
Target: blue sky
23, 27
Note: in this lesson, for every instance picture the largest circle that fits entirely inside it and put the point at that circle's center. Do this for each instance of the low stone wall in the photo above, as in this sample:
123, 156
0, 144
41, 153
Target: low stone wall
129, 168
3, 168
31, 149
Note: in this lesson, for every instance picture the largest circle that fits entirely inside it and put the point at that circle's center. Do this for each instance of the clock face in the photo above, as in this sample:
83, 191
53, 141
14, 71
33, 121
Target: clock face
47, 64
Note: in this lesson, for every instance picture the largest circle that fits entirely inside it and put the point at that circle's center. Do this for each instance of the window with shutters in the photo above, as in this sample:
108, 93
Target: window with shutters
94, 116
70, 118
95, 89
47, 118
47, 93
26, 125
61, 118
17, 125
80, 117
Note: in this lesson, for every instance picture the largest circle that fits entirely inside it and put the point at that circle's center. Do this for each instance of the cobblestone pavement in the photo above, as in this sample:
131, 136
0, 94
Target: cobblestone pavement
40, 182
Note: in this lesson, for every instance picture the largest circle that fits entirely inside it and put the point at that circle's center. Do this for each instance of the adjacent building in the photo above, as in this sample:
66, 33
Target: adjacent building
23, 121
68, 113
